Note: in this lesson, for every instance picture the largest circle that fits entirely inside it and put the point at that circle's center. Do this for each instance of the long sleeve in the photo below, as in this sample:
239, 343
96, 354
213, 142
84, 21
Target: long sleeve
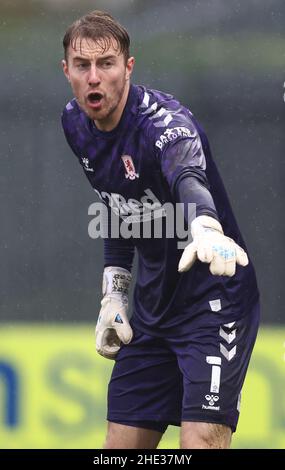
118, 252
183, 165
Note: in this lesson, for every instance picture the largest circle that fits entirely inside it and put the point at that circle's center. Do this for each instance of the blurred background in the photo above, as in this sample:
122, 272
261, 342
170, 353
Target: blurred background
225, 60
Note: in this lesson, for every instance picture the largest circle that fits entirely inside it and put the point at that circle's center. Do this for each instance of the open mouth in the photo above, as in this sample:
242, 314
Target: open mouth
94, 97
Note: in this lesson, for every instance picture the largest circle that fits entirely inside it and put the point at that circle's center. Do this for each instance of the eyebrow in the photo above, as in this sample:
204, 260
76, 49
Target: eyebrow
100, 58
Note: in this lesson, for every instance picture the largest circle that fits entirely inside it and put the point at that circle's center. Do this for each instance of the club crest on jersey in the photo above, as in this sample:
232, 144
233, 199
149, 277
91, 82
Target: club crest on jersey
129, 167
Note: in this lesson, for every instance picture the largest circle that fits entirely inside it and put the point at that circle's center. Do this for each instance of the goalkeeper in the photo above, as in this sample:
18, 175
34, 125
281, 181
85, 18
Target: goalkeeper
183, 356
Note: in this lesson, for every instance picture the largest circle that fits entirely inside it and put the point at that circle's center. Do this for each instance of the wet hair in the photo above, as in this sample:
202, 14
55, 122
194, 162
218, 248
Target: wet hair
101, 28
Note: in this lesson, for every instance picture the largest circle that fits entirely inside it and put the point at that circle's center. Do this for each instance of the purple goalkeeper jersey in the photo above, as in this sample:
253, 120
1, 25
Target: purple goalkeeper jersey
140, 163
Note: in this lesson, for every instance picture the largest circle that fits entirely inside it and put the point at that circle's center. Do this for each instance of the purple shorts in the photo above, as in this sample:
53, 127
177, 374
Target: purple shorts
194, 377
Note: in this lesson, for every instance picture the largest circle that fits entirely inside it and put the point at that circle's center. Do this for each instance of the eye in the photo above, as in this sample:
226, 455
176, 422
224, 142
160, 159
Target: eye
82, 66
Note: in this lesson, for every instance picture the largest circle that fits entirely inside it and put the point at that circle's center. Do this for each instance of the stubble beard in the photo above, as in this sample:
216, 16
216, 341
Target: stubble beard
110, 107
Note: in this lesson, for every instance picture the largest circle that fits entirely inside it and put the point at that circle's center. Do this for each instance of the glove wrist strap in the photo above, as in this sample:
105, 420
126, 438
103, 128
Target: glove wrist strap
204, 222
116, 281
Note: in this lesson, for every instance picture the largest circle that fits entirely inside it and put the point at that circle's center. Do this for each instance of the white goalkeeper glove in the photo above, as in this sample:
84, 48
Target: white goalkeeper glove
113, 324
210, 245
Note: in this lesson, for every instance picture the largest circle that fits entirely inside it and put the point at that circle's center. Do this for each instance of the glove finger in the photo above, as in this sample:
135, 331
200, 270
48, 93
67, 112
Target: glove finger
241, 256
217, 266
107, 343
98, 339
124, 332
230, 268
205, 252
188, 258
108, 353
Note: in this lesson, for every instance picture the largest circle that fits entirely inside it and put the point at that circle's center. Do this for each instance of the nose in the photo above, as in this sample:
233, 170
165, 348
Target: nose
93, 78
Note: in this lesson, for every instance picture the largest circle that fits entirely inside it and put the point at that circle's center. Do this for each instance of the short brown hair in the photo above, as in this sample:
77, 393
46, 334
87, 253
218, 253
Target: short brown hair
100, 27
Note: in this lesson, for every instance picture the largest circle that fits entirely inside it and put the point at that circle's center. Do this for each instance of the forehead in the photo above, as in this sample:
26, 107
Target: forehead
90, 49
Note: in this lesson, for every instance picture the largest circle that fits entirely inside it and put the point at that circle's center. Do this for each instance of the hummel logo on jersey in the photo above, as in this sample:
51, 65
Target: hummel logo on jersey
86, 162
212, 399
130, 167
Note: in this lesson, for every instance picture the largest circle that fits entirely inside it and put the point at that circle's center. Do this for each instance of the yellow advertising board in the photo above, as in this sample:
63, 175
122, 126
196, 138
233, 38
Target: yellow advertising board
53, 390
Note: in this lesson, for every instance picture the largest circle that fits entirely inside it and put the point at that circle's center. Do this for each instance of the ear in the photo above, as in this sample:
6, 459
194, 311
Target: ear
65, 69
129, 67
